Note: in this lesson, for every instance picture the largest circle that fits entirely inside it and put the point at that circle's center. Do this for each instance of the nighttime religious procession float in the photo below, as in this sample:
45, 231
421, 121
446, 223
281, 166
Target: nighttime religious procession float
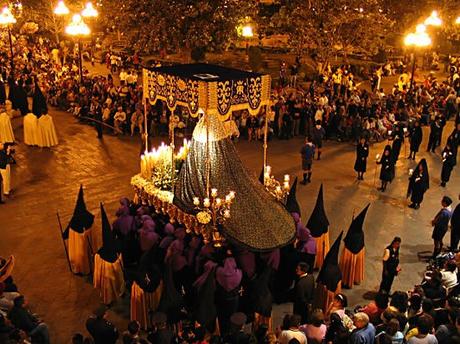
256, 172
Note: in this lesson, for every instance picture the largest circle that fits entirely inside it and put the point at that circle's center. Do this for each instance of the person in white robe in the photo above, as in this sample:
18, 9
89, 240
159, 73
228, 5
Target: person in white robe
6, 130
31, 131
48, 132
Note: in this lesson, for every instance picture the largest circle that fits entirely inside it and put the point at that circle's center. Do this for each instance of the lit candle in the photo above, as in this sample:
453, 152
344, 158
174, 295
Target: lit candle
268, 169
266, 175
213, 192
389, 132
405, 130
411, 171
377, 157
232, 194
286, 177
228, 199
227, 214
218, 202
286, 185
207, 203
196, 201
278, 189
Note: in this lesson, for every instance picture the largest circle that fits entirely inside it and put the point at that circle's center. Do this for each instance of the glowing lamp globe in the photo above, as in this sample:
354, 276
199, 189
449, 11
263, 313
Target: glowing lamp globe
6, 17
61, 9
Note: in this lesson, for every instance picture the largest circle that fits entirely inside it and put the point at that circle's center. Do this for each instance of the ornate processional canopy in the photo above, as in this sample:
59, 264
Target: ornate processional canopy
215, 89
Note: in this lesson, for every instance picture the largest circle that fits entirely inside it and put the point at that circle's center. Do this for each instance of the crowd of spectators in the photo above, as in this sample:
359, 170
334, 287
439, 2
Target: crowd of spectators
18, 324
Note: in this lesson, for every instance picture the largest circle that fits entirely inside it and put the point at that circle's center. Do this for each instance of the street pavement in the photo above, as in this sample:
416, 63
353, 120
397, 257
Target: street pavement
47, 180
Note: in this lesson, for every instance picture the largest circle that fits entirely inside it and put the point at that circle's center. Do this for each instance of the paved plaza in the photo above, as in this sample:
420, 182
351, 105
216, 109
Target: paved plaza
47, 180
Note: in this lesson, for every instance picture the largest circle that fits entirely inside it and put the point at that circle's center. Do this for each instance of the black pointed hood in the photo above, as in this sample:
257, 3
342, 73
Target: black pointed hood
82, 219
39, 105
292, 205
354, 240
330, 274
110, 245
318, 223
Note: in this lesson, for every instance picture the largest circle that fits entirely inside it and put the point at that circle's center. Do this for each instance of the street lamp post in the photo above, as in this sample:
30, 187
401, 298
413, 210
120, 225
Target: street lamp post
419, 39
59, 11
7, 19
78, 29
247, 33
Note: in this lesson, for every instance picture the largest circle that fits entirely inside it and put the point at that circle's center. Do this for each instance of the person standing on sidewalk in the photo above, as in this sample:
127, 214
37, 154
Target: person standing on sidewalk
390, 265
318, 134
455, 227
307, 153
441, 224
5, 155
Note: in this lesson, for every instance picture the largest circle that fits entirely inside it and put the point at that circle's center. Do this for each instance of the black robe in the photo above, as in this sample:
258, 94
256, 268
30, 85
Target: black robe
2, 92
204, 310
398, 139
259, 292
415, 138
448, 163
171, 301
362, 152
418, 184
387, 172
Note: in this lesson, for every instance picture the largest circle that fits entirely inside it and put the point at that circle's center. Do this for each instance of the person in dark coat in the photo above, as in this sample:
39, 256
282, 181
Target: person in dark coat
204, 311
39, 105
2, 92
21, 99
362, 152
435, 133
387, 172
448, 163
97, 113
441, 224
228, 279
419, 182
397, 136
390, 265
455, 227
303, 292
317, 134
307, 154
102, 330
454, 141
415, 139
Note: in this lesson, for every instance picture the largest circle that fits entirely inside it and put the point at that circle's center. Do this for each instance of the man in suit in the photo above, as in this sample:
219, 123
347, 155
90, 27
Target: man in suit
102, 330
303, 291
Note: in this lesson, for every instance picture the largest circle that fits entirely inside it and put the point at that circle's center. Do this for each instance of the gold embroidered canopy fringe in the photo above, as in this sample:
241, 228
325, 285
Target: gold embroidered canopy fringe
215, 89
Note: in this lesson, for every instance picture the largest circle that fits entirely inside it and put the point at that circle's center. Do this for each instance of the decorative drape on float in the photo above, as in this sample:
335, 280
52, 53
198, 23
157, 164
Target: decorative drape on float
215, 89
257, 220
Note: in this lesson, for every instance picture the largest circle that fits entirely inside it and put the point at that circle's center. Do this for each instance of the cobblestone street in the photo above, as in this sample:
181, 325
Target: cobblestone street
46, 181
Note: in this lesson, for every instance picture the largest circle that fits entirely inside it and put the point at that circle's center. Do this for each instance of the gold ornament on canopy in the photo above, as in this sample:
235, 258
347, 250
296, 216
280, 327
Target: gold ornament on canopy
215, 89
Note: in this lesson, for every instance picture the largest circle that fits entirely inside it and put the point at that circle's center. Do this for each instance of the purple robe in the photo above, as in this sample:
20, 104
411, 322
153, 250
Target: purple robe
229, 276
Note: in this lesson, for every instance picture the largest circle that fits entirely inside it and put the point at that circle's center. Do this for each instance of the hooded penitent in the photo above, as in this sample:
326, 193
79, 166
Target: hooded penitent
257, 221
39, 105
108, 272
329, 277
352, 261
77, 233
419, 182
318, 225
292, 205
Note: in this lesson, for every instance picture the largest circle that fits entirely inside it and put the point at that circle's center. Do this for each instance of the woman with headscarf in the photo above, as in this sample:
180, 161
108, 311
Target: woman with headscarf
387, 172
204, 310
415, 139
419, 182
228, 279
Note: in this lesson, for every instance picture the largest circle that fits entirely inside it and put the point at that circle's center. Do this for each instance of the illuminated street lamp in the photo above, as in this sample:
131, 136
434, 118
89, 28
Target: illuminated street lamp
89, 11
247, 33
61, 9
78, 29
419, 39
433, 19
6, 20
